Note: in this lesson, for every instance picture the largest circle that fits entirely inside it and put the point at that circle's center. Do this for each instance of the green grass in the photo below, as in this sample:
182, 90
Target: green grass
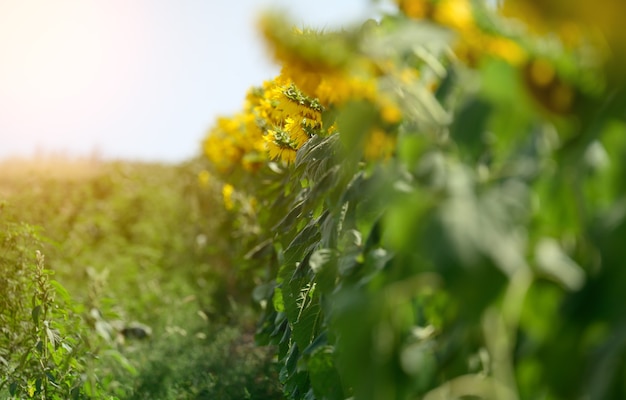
136, 242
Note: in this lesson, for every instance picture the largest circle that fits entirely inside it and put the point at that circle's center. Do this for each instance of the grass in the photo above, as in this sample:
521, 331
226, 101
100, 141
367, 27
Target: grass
136, 242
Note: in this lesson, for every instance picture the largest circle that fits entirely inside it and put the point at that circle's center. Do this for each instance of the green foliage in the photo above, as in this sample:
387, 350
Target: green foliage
127, 242
202, 362
43, 351
483, 260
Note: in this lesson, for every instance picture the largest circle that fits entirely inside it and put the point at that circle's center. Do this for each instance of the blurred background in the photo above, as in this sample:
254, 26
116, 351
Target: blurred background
139, 80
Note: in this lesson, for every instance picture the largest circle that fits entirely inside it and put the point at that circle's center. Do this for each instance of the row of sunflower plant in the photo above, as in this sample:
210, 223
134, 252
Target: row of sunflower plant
434, 200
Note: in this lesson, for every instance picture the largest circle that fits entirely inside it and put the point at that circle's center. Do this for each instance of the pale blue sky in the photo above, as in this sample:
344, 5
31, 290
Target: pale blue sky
138, 79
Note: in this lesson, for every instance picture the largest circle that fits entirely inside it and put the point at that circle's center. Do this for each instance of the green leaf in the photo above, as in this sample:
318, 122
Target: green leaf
321, 188
301, 244
294, 381
306, 327
36, 313
121, 360
277, 300
291, 218
316, 152
321, 340
51, 337
325, 378
61, 291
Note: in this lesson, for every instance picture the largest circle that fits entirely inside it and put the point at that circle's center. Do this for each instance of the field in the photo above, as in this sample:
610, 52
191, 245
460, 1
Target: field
127, 242
430, 205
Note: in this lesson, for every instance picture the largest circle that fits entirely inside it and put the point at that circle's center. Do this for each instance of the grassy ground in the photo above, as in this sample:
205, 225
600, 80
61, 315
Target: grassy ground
134, 245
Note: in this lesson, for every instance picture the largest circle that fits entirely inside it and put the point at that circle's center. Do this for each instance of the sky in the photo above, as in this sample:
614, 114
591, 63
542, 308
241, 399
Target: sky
138, 79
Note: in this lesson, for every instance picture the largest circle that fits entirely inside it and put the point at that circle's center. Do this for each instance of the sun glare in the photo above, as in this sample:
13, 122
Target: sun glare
62, 62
